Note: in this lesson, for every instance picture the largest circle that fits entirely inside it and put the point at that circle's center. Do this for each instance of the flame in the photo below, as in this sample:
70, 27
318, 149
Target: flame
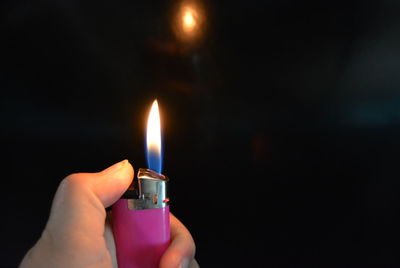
153, 139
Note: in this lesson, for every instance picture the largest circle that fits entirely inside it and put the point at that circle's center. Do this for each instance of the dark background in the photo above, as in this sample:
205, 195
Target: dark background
281, 123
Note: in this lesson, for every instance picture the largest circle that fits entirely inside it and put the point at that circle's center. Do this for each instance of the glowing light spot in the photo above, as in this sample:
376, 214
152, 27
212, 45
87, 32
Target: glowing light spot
188, 20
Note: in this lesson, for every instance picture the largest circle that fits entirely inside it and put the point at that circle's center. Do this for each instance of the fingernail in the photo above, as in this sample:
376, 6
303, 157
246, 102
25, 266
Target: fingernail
115, 167
184, 263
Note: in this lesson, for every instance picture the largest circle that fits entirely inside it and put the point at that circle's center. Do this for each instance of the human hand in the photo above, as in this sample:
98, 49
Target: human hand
77, 233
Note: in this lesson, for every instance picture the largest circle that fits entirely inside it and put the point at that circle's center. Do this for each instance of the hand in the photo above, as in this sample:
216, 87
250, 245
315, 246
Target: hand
77, 233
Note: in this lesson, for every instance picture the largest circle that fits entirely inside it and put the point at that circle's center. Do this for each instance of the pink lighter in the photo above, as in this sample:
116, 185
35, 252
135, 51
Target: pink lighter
141, 217
141, 222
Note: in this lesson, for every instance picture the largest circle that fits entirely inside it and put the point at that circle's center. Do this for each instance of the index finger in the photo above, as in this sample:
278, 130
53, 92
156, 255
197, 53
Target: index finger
181, 251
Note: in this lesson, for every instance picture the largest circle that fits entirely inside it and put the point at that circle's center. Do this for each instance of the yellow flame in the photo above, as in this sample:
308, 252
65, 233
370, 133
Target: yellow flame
154, 129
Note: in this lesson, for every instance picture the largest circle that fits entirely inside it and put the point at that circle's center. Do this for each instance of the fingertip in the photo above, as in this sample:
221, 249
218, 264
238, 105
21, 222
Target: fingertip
113, 182
131, 169
125, 172
123, 165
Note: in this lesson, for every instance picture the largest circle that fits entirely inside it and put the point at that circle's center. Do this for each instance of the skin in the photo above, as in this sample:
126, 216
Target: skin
78, 232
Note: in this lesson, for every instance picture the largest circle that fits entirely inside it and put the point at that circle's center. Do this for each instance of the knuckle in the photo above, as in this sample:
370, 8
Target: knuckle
71, 183
72, 178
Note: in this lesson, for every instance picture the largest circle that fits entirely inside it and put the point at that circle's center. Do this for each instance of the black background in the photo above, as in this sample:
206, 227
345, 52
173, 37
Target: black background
281, 125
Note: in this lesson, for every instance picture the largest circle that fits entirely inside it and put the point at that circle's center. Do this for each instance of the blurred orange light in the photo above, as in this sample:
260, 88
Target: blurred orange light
188, 20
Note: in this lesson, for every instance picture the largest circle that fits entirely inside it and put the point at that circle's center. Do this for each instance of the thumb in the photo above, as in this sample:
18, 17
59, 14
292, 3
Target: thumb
78, 206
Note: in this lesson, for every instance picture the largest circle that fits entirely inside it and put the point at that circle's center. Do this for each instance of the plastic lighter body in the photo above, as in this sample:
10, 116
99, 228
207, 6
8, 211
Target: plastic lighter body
141, 222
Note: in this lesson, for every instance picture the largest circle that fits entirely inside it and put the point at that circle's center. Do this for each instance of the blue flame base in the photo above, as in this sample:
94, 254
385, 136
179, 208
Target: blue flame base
154, 161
